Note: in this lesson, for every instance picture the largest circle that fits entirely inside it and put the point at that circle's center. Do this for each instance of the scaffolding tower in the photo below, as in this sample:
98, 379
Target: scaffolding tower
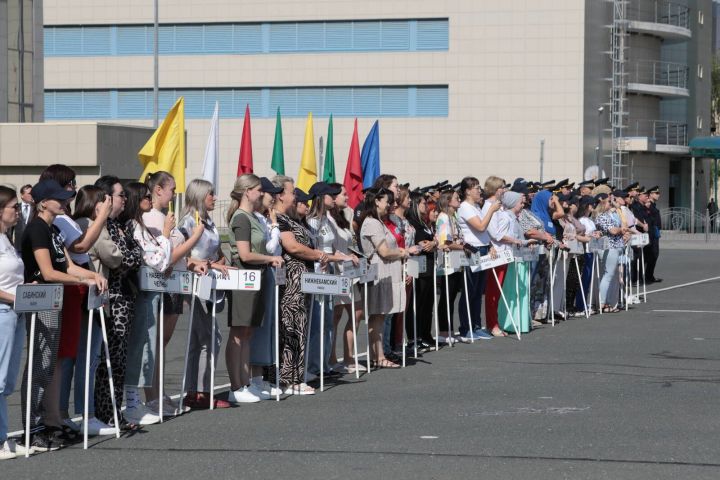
618, 93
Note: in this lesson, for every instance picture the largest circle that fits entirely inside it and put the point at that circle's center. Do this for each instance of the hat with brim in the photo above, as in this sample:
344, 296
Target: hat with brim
267, 186
50, 190
301, 196
322, 188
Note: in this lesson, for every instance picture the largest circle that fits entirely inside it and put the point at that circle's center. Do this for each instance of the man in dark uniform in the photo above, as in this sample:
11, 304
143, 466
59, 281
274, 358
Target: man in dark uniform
642, 215
652, 250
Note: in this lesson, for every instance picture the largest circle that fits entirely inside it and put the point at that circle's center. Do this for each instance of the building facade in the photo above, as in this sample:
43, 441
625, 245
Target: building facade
460, 87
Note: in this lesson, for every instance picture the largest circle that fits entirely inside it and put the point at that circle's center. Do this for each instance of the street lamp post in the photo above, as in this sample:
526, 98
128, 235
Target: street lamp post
598, 154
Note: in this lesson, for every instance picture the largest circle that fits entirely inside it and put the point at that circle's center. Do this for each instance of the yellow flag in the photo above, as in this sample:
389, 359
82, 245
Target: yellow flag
166, 148
308, 167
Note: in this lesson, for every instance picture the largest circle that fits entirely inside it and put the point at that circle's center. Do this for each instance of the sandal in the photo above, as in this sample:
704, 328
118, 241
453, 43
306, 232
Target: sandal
609, 309
384, 363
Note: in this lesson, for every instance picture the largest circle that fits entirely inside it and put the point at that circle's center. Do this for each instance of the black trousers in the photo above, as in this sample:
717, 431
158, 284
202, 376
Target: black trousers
424, 305
652, 252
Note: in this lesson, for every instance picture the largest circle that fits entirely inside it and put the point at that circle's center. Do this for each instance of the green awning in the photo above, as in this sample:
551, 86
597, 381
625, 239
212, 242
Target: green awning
707, 147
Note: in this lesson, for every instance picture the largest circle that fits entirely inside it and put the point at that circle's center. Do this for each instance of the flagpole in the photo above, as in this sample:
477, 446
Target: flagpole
156, 69
321, 165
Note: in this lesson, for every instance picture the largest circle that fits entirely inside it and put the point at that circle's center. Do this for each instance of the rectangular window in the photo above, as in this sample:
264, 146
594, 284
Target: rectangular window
249, 38
394, 101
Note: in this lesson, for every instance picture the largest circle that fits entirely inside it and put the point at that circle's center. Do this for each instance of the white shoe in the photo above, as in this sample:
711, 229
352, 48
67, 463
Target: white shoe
170, 408
446, 340
5, 452
72, 425
268, 389
302, 389
351, 367
98, 428
460, 339
17, 448
242, 395
141, 415
340, 368
257, 390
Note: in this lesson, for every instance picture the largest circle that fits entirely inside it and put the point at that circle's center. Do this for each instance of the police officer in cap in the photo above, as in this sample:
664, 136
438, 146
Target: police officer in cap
652, 250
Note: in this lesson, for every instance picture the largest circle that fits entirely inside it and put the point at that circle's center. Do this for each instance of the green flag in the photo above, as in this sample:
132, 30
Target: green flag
329, 167
278, 157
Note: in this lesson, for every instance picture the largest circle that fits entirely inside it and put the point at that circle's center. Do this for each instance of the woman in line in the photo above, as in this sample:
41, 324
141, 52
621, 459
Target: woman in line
609, 222
199, 202
387, 294
474, 221
425, 296
448, 237
12, 325
584, 214
299, 255
162, 187
246, 307
262, 344
573, 231
344, 241
517, 298
536, 224
46, 260
73, 333
405, 235
323, 196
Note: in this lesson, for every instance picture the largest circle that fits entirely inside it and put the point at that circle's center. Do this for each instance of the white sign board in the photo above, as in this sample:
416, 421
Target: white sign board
639, 240
237, 279
280, 275
574, 247
454, 259
416, 265
352, 271
96, 300
177, 281
38, 297
322, 284
205, 285
371, 275
598, 244
503, 257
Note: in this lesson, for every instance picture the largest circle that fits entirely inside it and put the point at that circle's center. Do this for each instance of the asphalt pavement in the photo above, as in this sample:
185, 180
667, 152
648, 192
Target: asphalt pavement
631, 395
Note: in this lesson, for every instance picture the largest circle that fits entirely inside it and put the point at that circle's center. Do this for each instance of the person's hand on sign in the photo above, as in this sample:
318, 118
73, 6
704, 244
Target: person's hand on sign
169, 224
199, 267
414, 250
98, 281
427, 245
493, 252
276, 262
355, 259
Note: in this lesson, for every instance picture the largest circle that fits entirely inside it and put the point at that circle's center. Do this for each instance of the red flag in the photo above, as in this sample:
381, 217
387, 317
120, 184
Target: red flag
353, 172
245, 161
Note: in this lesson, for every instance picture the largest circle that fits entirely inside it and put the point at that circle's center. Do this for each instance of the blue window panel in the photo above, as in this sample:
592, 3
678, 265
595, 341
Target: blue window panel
283, 37
194, 102
394, 102
134, 41
244, 97
247, 38
96, 41
338, 101
188, 39
286, 99
310, 37
68, 104
223, 97
311, 100
133, 104
166, 100
218, 39
395, 35
49, 41
432, 34
50, 105
366, 35
432, 102
68, 41
338, 36
166, 39
96, 105
366, 101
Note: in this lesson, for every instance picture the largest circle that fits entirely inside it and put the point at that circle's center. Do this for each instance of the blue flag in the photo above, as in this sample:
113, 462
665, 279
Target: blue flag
370, 156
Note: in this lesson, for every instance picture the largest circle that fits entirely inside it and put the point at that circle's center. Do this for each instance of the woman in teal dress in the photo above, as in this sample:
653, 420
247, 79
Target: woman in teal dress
517, 279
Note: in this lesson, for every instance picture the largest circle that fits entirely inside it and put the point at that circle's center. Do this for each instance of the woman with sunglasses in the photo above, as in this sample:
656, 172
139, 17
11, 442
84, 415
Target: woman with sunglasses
46, 260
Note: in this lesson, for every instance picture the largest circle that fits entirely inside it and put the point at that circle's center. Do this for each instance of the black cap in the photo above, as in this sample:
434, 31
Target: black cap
268, 187
456, 186
654, 189
588, 200
642, 190
601, 196
602, 181
322, 188
405, 185
50, 190
301, 196
633, 187
564, 198
587, 183
620, 193
520, 187
548, 185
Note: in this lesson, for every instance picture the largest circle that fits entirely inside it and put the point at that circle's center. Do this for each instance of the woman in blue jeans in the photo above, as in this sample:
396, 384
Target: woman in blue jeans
610, 223
12, 325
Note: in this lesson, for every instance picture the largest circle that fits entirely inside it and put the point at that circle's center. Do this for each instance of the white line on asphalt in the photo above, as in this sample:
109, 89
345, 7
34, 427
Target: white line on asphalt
683, 285
688, 311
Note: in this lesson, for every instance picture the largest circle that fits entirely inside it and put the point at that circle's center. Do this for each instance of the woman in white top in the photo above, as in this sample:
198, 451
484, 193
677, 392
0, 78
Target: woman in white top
199, 202
473, 222
586, 207
321, 227
12, 325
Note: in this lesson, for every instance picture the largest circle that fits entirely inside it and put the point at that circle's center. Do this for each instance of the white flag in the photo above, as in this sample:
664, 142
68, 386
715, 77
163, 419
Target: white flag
211, 164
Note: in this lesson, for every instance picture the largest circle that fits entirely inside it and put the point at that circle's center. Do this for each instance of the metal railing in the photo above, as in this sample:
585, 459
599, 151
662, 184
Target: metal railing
664, 132
654, 72
680, 219
218, 215
668, 13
